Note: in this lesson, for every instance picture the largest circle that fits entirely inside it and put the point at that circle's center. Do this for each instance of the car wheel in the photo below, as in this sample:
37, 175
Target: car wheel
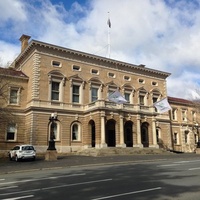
10, 157
33, 158
16, 158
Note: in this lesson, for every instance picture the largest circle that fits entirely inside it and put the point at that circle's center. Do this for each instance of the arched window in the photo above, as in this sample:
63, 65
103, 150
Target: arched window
76, 132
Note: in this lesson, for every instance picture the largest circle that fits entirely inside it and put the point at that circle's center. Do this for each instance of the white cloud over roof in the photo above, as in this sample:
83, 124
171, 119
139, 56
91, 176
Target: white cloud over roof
160, 34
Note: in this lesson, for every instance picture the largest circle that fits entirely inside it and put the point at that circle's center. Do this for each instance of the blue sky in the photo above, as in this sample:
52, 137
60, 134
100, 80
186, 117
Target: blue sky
161, 34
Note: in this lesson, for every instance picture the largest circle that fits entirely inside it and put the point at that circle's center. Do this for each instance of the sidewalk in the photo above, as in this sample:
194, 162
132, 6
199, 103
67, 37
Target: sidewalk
69, 161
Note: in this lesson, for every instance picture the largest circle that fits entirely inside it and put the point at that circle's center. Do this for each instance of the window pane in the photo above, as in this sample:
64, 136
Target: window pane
127, 96
75, 132
94, 94
141, 100
10, 132
13, 96
75, 95
55, 90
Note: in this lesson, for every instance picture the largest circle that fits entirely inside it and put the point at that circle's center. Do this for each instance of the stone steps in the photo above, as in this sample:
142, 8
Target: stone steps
120, 151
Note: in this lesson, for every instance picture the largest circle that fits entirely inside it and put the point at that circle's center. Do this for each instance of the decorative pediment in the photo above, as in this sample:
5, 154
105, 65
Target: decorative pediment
111, 84
76, 77
95, 80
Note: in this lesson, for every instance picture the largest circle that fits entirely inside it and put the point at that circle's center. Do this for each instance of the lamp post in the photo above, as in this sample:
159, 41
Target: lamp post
51, 153
52, 120
197, 128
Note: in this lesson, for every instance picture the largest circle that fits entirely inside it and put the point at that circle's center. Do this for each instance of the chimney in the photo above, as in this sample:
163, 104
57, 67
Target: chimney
24, 41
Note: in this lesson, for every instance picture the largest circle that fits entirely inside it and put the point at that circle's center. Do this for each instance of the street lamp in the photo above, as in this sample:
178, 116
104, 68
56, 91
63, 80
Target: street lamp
197, 128
52, 123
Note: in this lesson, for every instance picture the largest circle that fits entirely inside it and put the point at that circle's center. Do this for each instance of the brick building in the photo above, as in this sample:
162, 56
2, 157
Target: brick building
74, 87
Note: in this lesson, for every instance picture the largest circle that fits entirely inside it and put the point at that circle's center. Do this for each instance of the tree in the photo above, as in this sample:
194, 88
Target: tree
5, 112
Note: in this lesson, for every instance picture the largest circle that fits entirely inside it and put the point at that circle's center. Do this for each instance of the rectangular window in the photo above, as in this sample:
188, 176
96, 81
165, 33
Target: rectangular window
174, 114
94, 94
175, 138
141, 99
75, 93
11, 131
184, 115
127, 97
55, 90
14, 95
76, 68
186, 137
56, 63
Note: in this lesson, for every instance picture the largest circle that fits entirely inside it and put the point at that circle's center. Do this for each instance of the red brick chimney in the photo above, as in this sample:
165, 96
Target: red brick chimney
24, 41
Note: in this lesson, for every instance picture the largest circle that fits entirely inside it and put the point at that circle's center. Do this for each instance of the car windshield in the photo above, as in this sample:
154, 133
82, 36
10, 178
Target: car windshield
27, 148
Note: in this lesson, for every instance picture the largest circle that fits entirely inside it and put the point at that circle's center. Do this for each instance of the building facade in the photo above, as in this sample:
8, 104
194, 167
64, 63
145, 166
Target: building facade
73, 87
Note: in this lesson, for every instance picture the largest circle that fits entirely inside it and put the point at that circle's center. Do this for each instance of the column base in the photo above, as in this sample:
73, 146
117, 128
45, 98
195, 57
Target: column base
154, 146
121, 145
197, 150
138, 145
104, 145
51, 155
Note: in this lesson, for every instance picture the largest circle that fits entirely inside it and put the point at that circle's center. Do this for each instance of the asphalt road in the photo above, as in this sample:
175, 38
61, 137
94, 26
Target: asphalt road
138, 177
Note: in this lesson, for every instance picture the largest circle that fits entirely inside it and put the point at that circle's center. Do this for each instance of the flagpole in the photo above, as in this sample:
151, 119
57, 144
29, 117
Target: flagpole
109, 26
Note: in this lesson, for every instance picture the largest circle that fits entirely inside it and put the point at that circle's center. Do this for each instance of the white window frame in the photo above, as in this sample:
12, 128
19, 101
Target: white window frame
17, 89
174, 114
177, 138
59, 79
55, 63
59, 90
129, 93
78, 137
91, 93
77, 94
184, 115
94, 71
14, 132
76, 68
186, 137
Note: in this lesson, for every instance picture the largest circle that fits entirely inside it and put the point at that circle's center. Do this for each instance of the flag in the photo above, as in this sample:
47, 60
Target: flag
109, 23
117, 97
162, 105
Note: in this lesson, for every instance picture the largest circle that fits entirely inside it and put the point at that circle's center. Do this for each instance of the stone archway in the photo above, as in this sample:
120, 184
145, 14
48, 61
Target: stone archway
92, 131
128, 134
110, 133
145, 134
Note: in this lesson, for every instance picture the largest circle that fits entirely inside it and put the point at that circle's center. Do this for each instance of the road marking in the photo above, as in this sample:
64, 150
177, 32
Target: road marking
9, 187
128, 193
59, 186
16, 198
168, 165
198, 168
2, 179
187, 161
74, 184
31, 180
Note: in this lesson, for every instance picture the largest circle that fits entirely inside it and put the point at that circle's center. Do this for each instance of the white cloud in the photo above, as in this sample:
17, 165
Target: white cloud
159, 35
12, 10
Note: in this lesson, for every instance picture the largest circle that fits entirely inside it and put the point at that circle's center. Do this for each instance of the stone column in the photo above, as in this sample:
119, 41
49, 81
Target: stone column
103, 132
139, 144
154, 134
121, 129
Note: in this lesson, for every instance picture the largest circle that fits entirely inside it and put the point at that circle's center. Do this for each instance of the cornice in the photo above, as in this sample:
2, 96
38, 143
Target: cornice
34, 44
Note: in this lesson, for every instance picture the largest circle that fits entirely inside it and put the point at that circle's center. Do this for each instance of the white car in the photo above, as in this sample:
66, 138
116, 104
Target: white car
20, 152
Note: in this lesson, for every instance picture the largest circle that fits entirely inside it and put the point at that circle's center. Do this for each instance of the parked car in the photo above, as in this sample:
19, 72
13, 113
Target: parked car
21, 152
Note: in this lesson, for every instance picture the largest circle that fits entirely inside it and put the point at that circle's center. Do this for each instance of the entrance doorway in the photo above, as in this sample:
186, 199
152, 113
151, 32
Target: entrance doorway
110, 133
92, 132
145, 134
128, 134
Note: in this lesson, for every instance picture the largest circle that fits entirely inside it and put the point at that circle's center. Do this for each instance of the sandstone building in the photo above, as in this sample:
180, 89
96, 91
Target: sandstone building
73, 86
